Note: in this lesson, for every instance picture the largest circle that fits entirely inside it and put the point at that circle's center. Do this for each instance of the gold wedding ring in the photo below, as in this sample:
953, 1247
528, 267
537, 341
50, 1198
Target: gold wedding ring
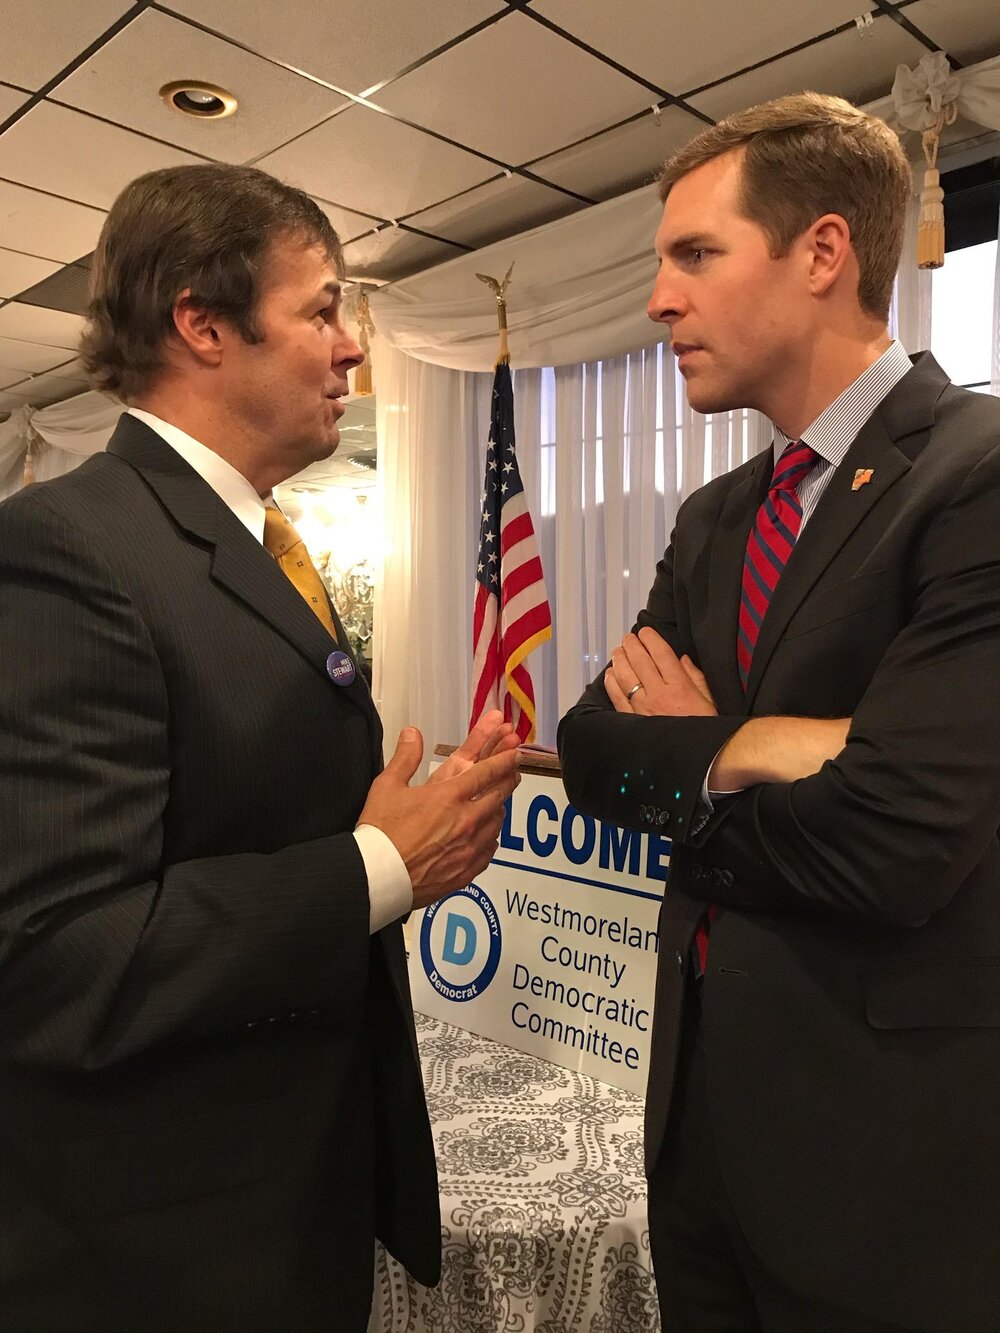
634, 690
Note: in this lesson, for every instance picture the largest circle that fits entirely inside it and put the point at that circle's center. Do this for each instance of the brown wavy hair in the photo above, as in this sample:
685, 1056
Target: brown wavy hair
205, 227
810, 154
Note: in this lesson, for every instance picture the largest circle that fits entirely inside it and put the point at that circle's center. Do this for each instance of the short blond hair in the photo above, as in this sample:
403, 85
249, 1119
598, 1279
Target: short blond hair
810, 154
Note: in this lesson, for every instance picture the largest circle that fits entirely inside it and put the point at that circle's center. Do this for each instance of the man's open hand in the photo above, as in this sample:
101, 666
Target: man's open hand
446, 831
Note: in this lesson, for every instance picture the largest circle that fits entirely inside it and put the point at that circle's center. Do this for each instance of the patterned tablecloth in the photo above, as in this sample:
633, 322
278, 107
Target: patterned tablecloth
543, 1200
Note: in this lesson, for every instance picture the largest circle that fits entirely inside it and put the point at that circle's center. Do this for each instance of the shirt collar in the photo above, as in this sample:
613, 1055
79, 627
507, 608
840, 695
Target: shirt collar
837, 426
230, 486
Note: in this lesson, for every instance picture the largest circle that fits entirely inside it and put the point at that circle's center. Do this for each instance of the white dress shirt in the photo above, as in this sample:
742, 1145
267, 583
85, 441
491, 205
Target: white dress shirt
390, 893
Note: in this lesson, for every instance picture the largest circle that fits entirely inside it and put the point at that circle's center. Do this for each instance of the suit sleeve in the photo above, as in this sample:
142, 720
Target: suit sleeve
642, 772
103, 951
893, 826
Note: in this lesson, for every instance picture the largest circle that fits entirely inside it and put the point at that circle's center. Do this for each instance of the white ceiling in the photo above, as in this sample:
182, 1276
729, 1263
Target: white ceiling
423, 130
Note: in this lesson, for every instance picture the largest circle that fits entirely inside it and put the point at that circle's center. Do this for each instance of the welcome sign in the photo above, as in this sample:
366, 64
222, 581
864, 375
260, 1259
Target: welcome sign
552, 949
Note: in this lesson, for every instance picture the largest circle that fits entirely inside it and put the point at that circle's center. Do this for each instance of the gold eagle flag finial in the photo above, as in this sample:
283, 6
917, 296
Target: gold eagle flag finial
499, 289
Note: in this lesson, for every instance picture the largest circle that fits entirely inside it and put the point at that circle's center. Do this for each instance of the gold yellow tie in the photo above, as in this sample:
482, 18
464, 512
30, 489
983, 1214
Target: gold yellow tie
289, 550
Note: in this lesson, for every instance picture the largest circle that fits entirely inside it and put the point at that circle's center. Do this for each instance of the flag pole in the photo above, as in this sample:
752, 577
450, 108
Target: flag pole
499, 289
511, 616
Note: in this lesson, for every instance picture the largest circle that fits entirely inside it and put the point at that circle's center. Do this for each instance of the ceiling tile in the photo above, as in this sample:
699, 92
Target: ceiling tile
697, 43
19, 272
53, 148
122, 81
534, 92
858, 66
346, 224
35, 324
40, 40
9, 377
48, 388
38, 224
370, 162
10, 100
393, 254
352, 44
66, 289
623, 158
71, 370
15, 354
494, 211
969, 31
8, 404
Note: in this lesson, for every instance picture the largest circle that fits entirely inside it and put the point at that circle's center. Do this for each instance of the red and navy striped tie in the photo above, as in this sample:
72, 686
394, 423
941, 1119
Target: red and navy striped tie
775, 532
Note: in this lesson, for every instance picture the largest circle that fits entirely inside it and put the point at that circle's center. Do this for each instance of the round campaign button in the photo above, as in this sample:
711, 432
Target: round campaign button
340, 668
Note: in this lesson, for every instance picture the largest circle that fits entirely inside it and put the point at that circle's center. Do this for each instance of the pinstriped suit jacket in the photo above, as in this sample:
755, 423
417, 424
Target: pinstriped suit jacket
209, 1091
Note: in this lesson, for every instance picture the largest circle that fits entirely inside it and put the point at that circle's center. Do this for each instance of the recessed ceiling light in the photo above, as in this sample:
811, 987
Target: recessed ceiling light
206, 101
364, 459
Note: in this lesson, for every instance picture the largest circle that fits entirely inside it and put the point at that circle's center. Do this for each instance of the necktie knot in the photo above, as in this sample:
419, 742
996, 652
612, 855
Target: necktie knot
792, 466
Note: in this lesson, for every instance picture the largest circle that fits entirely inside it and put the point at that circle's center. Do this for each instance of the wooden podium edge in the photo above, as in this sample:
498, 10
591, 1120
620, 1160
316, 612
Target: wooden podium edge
532, 761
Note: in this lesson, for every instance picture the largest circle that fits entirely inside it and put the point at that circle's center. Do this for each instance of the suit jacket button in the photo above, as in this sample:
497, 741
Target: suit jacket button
725, 877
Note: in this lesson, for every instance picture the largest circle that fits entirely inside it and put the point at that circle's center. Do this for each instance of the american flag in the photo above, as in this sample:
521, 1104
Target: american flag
512, 612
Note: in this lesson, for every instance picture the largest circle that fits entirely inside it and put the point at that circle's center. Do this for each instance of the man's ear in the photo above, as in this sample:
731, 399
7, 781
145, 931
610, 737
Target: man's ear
828, 243
198, 331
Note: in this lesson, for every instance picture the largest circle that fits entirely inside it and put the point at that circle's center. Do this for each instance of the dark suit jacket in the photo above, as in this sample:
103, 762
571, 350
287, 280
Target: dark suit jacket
851, 1004
210, 1097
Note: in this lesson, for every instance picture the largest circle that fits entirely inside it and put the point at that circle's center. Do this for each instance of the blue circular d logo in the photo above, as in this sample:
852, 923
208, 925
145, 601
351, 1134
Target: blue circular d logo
460, 941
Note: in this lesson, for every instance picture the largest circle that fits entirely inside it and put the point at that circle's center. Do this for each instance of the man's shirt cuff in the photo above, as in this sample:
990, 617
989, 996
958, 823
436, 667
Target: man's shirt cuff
390, 893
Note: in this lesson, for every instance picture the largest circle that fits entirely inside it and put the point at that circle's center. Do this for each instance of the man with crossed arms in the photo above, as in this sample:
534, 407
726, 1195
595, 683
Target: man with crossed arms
805, 707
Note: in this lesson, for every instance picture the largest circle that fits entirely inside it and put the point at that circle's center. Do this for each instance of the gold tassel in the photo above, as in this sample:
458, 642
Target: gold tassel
363, 374
29, 467
930, 229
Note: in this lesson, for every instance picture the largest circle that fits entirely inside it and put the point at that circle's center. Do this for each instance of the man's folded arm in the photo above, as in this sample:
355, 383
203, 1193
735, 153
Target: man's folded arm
890, 827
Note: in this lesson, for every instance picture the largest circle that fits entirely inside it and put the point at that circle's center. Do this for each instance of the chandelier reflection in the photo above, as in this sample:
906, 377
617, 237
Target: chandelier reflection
338, 528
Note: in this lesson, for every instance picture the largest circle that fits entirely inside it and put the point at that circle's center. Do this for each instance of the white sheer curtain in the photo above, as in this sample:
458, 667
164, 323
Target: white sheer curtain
910, 313
607, 450
60, 437
430, 423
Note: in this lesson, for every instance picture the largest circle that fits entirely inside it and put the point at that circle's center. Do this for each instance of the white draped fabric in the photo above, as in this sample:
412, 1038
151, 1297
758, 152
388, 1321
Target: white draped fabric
578, 292
60, 436
920, 94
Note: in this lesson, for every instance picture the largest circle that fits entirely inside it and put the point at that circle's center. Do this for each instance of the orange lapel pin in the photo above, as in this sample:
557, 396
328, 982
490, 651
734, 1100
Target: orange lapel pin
862, 477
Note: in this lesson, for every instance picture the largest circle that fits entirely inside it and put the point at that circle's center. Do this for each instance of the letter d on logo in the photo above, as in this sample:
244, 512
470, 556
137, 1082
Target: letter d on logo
454, 931
451, 952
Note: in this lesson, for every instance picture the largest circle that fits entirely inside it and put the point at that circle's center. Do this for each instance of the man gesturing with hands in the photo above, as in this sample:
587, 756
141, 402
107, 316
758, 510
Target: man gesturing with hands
447, 830
210, 1097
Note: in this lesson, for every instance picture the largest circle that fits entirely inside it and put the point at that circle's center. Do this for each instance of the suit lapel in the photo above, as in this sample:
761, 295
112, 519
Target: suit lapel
908, 411
239, 564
